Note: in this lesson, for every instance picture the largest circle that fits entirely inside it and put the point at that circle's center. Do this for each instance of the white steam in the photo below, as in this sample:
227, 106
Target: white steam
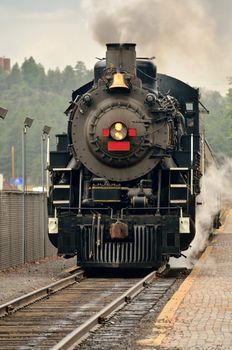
185, 36
216, 195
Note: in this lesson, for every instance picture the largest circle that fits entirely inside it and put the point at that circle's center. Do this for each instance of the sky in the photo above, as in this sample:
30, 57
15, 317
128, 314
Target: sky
191, 39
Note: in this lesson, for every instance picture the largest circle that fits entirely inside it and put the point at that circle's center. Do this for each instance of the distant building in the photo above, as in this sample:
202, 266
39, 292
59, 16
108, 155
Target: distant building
5, 63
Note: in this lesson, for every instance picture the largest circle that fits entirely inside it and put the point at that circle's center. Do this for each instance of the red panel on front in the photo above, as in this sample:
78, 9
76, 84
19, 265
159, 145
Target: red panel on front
132, 132
106, 132
118, 146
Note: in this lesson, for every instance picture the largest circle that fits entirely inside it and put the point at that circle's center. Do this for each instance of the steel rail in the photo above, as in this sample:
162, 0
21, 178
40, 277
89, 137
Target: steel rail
41, 293
71, 340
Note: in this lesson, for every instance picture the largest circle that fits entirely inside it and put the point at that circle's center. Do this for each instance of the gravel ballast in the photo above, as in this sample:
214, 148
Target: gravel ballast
17, 281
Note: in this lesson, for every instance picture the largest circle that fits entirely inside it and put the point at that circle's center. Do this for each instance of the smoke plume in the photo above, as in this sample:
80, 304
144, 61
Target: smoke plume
185, 36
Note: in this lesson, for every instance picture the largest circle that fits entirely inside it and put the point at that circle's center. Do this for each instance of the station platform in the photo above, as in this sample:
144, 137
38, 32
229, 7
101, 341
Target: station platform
199, 315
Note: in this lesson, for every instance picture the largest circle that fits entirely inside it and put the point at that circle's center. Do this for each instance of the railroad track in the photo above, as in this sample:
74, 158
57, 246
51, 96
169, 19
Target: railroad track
132, 321
69, 309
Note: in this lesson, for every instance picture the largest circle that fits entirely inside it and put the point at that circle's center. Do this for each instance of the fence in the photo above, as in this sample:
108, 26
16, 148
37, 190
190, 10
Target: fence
23, 233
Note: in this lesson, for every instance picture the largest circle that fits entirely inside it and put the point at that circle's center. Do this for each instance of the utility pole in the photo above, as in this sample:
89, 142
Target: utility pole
13, 162
27, 124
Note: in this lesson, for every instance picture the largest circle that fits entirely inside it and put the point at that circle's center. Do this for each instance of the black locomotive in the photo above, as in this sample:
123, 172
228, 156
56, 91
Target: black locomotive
126, 175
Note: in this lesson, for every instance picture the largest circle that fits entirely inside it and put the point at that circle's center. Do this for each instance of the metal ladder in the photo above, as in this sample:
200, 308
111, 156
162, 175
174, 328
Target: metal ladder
62, 190
179, 186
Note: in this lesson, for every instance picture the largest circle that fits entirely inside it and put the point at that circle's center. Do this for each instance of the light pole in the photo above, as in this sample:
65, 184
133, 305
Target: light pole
3, 113
45, 135
27, 124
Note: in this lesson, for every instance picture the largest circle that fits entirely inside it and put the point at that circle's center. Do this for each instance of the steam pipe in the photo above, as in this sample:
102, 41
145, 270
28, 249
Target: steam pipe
158, 193
48, 164
92, 241
191, 170
98, 229
80, 191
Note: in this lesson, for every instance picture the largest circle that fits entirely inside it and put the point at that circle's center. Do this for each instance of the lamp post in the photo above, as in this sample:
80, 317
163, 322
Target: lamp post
45, 136
27, 124
3, 113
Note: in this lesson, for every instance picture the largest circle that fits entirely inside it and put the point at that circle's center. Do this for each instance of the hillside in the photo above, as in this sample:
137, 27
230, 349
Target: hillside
29, 91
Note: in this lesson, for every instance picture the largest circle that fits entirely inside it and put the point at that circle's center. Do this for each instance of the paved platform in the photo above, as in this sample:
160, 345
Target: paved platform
199, 315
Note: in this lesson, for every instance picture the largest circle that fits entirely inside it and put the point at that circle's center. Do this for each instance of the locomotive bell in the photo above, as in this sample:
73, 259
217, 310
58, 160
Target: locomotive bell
118, 82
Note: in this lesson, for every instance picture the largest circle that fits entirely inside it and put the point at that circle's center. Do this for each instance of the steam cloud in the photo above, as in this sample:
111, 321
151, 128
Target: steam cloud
216, 194
185, 36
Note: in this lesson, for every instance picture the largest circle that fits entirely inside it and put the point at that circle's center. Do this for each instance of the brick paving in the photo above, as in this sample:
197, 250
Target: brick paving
202, 318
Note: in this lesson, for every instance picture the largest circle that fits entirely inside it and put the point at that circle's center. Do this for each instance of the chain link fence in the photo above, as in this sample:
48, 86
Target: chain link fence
23, 229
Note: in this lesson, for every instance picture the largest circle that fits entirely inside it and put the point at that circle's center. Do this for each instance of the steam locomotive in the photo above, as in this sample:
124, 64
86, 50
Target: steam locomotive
125, 176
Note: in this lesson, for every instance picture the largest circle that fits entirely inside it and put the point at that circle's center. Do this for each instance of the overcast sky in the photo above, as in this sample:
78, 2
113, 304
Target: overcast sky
54, 32
191, 39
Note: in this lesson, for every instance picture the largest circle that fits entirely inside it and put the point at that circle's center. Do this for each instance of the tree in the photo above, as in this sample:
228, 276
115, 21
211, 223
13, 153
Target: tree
229, 104
15, 76
33, 73
54, 80
218, 123
68, 78
82, 74
3, 76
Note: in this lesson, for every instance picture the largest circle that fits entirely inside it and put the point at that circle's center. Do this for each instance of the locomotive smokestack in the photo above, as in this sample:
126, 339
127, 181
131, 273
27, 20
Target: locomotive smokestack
122, 57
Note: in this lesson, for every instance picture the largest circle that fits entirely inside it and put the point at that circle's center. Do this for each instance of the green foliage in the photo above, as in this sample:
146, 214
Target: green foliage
28, 91
33, 74
229, 105
218, 123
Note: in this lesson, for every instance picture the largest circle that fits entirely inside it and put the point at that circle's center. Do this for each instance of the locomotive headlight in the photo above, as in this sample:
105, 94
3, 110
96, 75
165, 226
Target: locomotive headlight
118, 126
118, 131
